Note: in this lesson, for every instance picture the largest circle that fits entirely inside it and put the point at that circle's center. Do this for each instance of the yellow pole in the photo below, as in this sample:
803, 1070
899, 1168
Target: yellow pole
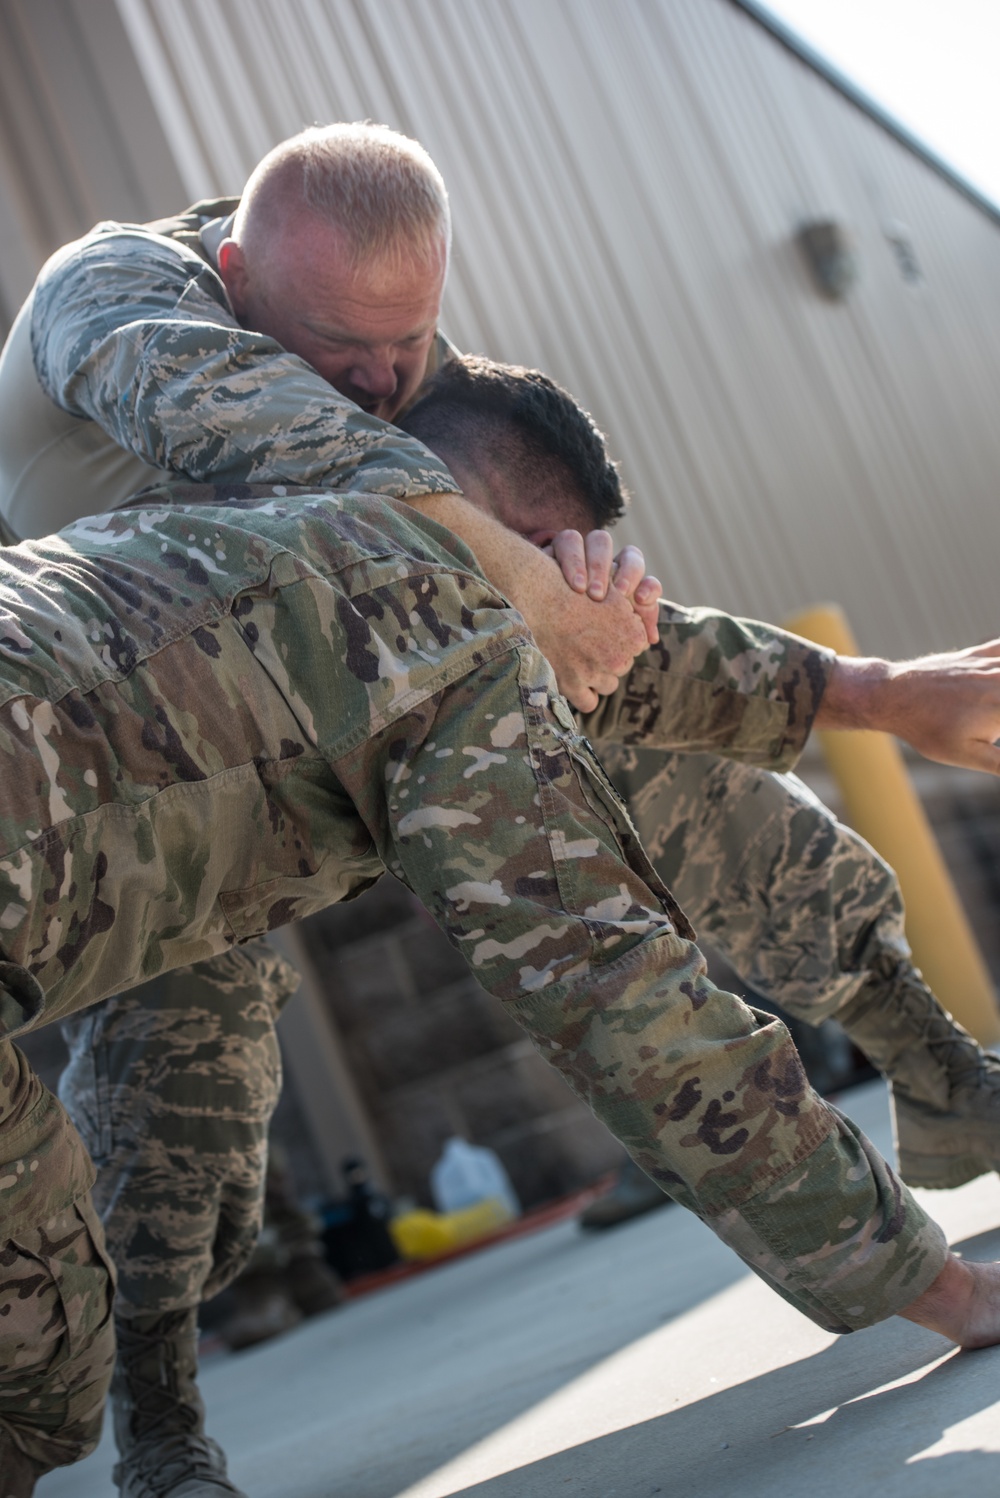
883, 806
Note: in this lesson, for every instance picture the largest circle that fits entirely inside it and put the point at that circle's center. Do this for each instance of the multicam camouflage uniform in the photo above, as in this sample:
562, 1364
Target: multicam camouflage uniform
136, 333
219, 717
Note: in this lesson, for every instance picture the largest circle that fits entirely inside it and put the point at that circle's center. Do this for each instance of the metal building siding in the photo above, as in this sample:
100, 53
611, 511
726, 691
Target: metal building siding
627, 180
78, 140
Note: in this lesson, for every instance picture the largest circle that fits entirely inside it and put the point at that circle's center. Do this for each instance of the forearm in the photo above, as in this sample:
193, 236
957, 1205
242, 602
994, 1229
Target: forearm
719, 684
136, 334
947, 706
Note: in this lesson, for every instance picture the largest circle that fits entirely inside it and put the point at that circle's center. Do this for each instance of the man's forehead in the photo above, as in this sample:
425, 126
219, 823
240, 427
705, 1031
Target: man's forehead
308, 240
398, 293
528, 502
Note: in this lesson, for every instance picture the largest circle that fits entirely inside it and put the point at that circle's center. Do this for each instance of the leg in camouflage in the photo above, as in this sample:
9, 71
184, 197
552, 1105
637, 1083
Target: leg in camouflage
287, 1277
809, 915
56, 1284
173, 1085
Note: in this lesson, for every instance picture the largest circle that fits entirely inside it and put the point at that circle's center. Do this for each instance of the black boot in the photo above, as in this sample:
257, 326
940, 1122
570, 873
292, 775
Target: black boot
159, 1417
632, 1195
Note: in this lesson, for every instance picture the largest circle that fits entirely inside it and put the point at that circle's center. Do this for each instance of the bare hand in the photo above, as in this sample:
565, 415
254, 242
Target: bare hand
590, 566
947, 706
963, 1303
589, 644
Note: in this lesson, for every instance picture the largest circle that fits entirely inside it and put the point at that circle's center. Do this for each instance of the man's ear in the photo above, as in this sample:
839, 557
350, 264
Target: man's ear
542, 537
233, 272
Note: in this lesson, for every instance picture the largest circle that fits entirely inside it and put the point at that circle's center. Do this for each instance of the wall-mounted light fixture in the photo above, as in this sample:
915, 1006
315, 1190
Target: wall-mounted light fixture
830, 252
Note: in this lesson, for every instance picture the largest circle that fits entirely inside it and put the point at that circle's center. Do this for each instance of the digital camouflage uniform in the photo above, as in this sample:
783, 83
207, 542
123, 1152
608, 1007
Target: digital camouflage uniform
219, 717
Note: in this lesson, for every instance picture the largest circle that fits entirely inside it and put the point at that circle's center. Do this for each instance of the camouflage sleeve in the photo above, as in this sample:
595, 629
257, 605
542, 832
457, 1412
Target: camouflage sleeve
136, 333
718, 684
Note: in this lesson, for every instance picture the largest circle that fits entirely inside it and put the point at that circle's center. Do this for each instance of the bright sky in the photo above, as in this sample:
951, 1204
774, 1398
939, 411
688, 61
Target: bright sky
930, 63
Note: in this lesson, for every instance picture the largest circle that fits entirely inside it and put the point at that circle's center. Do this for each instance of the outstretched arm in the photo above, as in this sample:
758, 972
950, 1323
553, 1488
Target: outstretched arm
947, 706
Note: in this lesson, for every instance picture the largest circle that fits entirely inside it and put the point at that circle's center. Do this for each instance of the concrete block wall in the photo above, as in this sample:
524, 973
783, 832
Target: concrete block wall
434, 1055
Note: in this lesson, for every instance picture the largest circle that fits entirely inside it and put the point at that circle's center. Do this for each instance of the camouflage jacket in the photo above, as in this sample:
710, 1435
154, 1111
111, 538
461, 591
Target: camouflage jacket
134, 333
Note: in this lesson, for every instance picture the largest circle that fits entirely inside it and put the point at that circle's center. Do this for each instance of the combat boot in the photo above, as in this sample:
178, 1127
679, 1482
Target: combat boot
159, 1417
632, 1195
18, 1473
945, 1088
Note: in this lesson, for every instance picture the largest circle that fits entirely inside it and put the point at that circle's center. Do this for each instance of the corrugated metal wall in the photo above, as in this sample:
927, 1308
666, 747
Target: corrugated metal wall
627, 181
78, 141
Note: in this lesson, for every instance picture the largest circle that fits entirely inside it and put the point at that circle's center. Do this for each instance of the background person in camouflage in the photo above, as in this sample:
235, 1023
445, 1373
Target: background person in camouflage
224, 710
186, 417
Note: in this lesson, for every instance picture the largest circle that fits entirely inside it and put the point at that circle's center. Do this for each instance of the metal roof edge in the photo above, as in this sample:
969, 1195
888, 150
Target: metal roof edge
790, 39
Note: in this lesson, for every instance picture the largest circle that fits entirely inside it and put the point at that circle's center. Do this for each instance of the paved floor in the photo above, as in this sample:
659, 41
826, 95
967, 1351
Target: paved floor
639, 1361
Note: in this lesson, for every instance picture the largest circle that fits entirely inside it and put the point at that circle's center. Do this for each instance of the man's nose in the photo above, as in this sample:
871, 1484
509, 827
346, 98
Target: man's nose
376, 373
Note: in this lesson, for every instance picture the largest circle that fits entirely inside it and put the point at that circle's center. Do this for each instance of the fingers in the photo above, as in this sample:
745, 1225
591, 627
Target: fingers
599, 548
586, 562
584, 699
630, 570
648, 593
589, 566
644, 590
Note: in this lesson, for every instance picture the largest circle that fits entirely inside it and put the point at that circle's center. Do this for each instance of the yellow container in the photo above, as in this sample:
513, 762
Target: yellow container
420, 1235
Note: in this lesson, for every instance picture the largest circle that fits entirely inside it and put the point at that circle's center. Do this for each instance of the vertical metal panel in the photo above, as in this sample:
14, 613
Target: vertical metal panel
78, 139
627, 182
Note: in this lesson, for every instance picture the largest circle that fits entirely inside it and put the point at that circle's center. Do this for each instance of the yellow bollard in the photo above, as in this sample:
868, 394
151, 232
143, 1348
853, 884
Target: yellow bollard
883, 806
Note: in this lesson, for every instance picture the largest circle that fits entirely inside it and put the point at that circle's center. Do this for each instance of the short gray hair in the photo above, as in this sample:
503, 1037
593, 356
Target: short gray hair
379, 187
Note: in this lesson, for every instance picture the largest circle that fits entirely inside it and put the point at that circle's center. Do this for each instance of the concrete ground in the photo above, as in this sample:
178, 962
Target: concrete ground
639, 1361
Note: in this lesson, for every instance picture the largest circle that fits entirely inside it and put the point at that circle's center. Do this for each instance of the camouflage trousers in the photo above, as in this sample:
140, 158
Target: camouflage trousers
172, 1086
801, 907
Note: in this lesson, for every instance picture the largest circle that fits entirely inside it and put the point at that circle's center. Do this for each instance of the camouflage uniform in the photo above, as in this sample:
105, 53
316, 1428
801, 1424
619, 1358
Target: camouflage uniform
219, 717
135, 332
173, 1087
802, 908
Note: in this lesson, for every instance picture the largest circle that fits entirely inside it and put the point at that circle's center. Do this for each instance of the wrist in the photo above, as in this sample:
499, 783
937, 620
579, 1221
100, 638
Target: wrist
856, 695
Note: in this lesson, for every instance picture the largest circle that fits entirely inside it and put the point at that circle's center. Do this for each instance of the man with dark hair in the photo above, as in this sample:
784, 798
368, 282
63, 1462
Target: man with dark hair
516, 432
225, 708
